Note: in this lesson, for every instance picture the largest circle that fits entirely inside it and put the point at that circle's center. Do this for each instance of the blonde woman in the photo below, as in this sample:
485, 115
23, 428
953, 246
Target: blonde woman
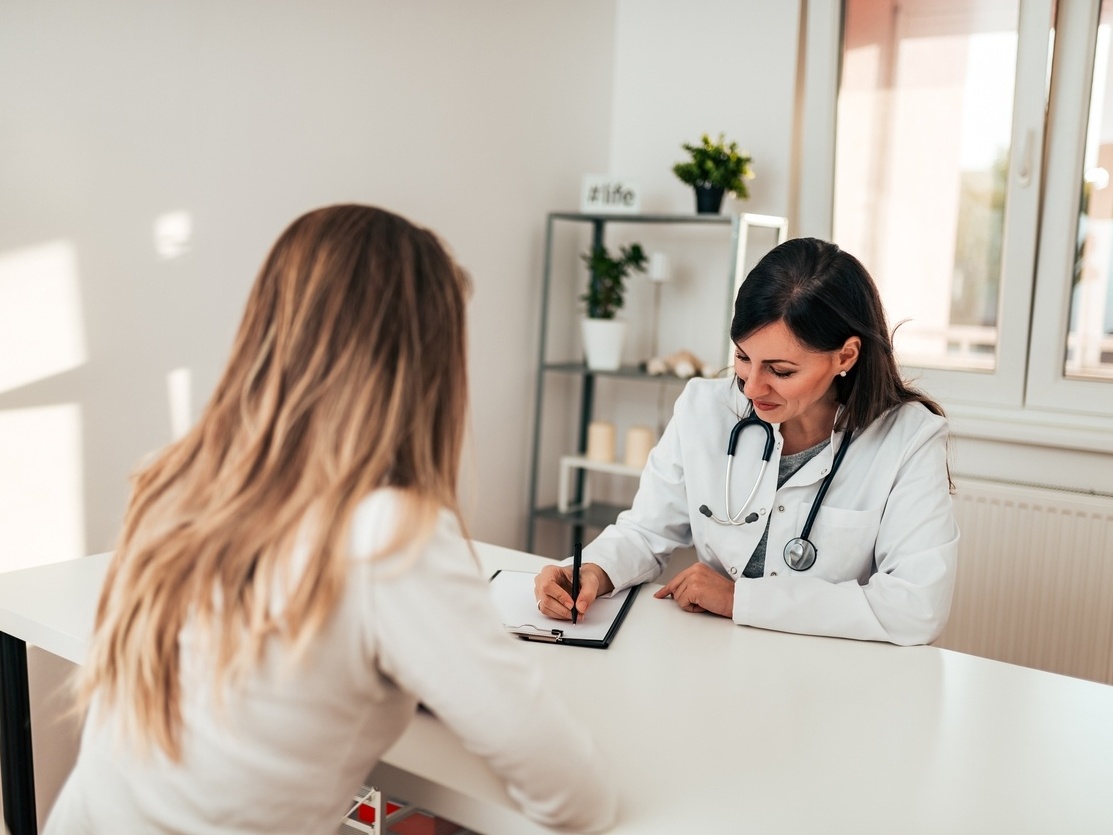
292, 579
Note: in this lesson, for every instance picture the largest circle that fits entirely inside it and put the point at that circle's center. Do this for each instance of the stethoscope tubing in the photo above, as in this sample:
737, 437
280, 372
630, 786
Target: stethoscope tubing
804, 552
818, 500
737, 519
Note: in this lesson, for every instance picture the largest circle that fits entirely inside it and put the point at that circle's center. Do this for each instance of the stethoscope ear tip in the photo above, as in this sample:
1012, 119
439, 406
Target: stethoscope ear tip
705, 510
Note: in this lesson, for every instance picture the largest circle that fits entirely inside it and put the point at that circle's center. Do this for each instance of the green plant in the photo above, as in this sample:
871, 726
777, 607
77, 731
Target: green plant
605, 287
716, 164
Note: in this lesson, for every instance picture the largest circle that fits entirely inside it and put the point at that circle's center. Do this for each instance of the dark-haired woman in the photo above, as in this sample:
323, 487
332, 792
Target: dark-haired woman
847, 528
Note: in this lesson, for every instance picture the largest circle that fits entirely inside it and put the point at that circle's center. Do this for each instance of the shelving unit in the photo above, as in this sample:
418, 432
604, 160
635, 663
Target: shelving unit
570, 464
582, 514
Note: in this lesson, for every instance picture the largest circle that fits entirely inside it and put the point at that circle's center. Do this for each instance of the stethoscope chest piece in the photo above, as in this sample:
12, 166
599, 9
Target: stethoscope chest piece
800, 554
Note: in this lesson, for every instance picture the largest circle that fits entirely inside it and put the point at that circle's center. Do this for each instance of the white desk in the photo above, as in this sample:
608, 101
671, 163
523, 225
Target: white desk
717, 728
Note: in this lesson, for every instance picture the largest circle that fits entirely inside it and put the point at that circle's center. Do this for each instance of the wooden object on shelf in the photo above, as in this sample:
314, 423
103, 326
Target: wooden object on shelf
639, 441
600, 441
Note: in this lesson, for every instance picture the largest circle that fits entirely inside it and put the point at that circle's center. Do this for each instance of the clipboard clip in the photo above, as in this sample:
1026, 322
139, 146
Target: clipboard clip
552, 636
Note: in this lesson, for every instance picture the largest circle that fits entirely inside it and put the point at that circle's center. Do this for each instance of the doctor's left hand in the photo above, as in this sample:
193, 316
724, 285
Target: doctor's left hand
701, 589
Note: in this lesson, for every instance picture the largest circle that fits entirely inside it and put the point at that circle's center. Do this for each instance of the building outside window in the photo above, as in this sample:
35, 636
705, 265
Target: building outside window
972, 175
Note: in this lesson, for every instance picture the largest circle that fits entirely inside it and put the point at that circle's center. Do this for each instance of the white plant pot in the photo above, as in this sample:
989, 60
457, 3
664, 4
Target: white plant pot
603, 343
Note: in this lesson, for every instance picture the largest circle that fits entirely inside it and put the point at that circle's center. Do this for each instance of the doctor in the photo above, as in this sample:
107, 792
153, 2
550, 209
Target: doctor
832, 516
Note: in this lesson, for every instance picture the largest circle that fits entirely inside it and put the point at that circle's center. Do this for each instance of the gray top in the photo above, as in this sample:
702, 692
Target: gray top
788, 467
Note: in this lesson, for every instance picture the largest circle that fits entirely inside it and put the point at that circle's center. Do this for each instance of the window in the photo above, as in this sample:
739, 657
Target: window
925, 121
1089, 348
973, 175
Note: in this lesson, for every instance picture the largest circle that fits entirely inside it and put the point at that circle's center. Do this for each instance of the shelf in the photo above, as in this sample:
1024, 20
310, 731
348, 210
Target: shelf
593, 516
705, 220
613, 467
626, 372
581, 512
568, 463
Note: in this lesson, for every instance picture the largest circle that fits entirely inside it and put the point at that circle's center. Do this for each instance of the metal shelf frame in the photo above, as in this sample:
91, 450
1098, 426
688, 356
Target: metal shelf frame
601, 515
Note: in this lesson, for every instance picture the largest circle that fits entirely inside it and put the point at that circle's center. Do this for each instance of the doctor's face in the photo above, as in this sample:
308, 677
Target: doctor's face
783, 379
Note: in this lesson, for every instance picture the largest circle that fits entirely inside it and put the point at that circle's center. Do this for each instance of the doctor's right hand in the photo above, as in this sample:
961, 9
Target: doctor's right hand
553, 589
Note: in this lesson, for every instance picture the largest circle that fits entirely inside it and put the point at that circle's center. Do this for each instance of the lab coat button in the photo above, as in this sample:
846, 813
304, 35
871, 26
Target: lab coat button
734, 571
772, 573
781, 508
762, 511
823, 472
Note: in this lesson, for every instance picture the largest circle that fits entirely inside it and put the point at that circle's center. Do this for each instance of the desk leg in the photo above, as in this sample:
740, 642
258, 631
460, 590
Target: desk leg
16, 765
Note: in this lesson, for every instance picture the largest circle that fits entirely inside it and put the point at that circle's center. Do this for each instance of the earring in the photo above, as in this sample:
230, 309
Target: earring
842, 373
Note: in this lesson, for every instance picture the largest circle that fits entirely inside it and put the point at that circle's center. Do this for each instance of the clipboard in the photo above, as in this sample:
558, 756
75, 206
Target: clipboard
512, 594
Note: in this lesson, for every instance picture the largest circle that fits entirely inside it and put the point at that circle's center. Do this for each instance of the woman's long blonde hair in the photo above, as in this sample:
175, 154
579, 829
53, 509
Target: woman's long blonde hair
347, 375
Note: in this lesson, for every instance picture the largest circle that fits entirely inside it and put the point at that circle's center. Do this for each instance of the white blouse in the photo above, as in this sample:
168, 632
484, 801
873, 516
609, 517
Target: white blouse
286, 752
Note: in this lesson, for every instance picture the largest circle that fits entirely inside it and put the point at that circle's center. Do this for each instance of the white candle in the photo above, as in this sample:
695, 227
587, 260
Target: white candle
659, 266
639, 441
600, 441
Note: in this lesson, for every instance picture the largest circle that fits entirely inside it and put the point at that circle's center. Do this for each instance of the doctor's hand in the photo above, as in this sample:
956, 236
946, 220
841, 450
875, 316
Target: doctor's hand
553, 589
700, 589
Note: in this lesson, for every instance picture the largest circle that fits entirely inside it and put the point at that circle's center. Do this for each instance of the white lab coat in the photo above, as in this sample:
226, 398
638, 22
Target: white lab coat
885, 533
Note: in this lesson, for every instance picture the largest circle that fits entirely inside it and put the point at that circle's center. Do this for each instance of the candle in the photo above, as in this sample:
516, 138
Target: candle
659, 266
639, 441
600, 441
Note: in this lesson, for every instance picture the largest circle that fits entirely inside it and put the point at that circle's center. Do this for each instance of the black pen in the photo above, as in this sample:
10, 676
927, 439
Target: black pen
577, 557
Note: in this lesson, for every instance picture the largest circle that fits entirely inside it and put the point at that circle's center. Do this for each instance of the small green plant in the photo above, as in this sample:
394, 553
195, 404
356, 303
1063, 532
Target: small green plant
716, 164
606, 287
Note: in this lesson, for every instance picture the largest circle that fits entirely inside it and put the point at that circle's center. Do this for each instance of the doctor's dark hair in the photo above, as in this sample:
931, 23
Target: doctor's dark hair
825, 296
337, 386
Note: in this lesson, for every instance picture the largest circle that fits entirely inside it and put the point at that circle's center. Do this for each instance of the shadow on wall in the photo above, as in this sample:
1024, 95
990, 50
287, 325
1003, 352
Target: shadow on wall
41, 337
75, 401
55, 399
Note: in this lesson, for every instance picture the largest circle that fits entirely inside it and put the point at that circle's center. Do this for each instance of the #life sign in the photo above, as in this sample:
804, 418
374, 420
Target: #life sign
601, 193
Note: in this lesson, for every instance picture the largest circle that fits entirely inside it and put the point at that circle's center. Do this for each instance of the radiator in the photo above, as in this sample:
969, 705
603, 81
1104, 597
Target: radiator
1035, 578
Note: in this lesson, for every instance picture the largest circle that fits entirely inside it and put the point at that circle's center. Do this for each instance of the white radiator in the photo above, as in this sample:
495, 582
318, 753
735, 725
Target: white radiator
1035, 578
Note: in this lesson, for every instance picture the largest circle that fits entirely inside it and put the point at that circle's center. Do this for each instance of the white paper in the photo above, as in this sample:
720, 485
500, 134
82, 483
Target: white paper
512, 593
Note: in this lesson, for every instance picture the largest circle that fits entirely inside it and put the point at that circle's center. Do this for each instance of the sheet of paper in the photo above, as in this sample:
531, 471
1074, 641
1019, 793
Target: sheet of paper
512, 593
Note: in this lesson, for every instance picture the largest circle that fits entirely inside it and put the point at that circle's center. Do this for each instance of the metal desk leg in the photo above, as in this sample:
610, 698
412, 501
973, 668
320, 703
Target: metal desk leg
16, 765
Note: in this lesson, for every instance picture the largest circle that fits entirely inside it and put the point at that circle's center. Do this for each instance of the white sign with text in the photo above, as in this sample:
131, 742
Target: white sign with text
614, 195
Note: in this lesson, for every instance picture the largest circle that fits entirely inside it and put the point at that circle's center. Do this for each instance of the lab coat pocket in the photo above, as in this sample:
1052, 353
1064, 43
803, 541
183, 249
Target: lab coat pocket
844, 541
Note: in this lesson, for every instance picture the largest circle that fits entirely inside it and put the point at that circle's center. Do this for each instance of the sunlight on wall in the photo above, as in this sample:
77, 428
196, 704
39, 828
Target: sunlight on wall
178, 385
41, 333
42, 511
173, 234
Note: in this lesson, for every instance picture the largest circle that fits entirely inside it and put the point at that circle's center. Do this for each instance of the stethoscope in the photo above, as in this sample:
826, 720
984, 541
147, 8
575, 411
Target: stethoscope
799, 552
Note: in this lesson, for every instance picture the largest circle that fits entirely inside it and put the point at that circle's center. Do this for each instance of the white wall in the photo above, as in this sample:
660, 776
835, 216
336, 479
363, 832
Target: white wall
475, 119
682, 69
734, 74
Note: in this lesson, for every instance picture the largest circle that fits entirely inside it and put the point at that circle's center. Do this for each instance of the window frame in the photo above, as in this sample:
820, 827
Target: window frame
1072, 77
1028, 398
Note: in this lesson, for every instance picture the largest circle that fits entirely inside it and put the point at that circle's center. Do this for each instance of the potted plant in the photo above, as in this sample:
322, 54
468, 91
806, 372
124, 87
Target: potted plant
713, 169
603, 334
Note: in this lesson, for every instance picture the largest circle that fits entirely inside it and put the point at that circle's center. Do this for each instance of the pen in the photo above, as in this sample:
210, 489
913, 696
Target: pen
576, 559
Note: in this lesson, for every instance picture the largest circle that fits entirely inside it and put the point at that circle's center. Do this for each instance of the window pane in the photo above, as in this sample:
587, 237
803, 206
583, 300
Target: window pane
1089, 350
922, 148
